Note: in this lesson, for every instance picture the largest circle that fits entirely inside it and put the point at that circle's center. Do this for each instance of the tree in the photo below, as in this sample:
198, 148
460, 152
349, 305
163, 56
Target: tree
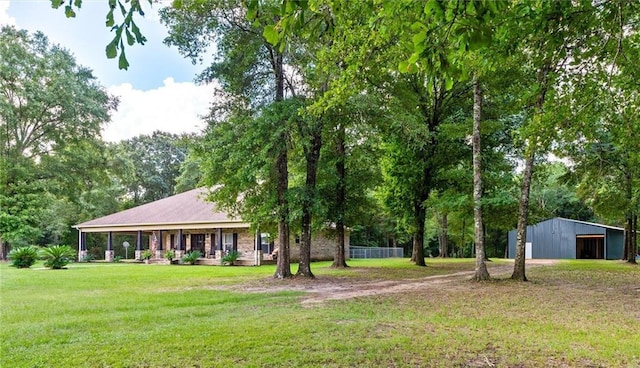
481, 272
251, 73
553, 30
51, 114
151, 165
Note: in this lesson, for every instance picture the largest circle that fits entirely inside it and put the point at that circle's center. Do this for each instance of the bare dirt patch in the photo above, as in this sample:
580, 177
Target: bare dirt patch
324, 288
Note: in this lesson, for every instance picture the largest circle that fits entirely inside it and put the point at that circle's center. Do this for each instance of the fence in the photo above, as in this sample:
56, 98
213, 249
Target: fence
375, 252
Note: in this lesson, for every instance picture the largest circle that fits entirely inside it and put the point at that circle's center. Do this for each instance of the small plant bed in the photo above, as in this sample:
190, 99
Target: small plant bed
23, 257
191, 257
230, 258
57, 256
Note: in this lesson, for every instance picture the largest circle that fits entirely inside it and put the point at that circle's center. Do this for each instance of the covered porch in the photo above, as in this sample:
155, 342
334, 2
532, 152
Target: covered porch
181, 223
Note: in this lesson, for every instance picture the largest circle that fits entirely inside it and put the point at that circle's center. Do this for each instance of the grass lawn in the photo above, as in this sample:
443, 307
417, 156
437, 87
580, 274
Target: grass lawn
573, 314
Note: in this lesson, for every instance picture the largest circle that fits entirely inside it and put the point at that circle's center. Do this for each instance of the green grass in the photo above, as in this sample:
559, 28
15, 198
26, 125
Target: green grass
575, 314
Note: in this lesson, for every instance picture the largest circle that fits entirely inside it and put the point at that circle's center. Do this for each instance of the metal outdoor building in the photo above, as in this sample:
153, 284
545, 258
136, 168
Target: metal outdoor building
561, 238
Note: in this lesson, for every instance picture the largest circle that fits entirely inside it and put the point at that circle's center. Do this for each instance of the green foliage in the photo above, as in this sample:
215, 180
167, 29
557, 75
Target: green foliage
57, 256
23, 257
230, 258
49, 130
126, 9
148, 165
146, 255
191, 257
88, 258
117, 259
169, 255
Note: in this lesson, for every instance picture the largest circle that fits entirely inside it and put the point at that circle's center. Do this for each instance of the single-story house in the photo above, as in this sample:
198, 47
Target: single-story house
186, 222
561, 238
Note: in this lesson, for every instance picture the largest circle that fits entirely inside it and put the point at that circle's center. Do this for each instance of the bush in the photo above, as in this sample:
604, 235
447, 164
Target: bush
191, 257
230, 258
57, 256
169, 255
146, 255
23, 257
117, 259
88, 258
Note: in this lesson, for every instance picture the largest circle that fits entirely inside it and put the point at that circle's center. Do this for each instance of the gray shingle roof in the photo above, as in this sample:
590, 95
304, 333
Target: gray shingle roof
183, 208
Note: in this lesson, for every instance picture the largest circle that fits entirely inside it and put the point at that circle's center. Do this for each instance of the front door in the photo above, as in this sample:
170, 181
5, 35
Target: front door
197, 243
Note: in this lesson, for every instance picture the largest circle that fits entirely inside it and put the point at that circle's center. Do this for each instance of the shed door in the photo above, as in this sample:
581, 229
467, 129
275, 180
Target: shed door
590, 246
528, 250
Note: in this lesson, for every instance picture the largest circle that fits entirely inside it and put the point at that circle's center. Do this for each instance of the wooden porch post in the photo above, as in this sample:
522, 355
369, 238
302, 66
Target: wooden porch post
258, 250
212, 245
81, 246
219, 244
108, 254
159, 248
180, 248
138, 255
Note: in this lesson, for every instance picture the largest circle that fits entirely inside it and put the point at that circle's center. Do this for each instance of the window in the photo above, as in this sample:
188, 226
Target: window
227, 242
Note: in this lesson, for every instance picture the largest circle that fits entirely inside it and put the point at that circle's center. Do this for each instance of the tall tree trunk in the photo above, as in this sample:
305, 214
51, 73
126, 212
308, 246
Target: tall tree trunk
530, 152
630, 238
523, 217
481, 273
3, 252
339, 260
443, 240
627, 238
634, 239
418, 237
312, 156
283, 269
462, 234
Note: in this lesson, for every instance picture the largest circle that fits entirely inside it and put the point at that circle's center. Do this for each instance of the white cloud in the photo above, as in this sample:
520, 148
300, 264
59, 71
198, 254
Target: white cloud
174, 108
5, 18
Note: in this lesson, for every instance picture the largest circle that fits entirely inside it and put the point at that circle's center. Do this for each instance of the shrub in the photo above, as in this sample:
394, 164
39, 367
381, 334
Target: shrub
146, 255
117, 259
191, 257
230, 258
57, 256
23, 257
88, 258
169, 255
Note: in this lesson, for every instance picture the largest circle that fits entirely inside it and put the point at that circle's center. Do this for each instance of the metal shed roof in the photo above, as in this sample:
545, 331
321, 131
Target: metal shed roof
591, 223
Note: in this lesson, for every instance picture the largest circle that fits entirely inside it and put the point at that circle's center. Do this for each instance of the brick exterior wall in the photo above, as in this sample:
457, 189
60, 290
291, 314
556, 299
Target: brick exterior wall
323, 246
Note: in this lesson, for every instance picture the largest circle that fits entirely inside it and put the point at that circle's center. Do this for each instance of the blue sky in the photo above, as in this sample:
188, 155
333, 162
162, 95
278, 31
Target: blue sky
156, 92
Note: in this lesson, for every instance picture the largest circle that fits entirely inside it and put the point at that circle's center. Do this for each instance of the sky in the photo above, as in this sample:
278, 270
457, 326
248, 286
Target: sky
157, 92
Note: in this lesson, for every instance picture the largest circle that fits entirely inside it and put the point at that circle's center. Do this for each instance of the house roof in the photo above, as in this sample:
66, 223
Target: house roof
184, 210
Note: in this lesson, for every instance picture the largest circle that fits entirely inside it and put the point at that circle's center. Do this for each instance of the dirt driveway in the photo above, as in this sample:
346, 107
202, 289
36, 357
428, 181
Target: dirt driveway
325, 288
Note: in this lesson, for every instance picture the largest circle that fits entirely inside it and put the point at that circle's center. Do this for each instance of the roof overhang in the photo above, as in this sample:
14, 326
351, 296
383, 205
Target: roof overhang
162, 226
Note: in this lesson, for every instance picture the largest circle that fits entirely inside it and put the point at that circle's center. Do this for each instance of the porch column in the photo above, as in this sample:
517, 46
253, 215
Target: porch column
219, 244
258, 248
180, 248
138, 254
212, 245
159, 249
82, 245
108, 254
